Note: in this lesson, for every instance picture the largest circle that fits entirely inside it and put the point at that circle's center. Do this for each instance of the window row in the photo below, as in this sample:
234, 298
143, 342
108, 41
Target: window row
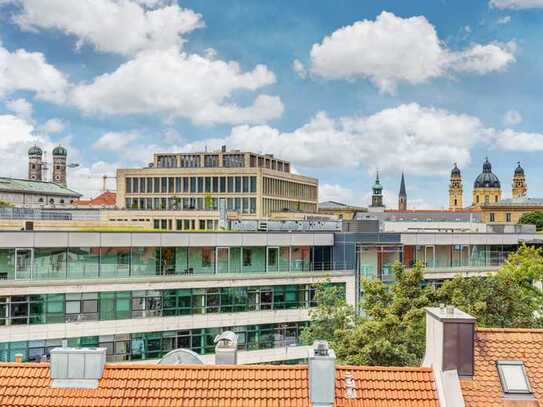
186, 185
113, 262
154, 345
61, 308
192, 203
289, 189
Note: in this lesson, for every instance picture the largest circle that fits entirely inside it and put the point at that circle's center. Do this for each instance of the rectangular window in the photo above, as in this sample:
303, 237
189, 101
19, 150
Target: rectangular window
83, 262
135, 185
156, 188
508, 217
149, 185
253, 185
230, 184
207, 184
178, 185
222, 185
492, 217
145, 261
245, 181
128, 185
200, 184
115, 262
215, 184
186, 184
50, 264
163, 185
237, 184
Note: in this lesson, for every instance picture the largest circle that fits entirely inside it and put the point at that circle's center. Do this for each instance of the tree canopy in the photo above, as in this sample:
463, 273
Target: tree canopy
391, 328
533, 218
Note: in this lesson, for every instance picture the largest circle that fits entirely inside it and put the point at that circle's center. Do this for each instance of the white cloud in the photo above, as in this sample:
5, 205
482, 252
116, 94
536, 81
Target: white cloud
408, 136
516, 4
21, 107
393, 50
29, 71
54, 125
335, 192
119, 26
482, 59
511, 140
504, 20
180, 85
511, 118
299, 68
115, 141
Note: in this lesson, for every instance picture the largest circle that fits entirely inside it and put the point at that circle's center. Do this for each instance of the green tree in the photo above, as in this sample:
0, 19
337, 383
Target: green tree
532, 218
332, 319
508, 298
391, 332
4, 204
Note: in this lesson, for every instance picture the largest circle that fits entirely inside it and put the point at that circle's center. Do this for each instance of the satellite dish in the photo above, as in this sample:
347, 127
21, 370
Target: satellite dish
227, 339
181, 357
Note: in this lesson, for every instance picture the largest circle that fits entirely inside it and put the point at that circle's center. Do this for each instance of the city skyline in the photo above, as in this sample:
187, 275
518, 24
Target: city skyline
275, 80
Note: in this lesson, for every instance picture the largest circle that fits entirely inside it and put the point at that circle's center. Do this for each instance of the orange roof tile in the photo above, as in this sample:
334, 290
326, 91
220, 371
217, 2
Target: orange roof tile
27, 384
492, 344
104, 199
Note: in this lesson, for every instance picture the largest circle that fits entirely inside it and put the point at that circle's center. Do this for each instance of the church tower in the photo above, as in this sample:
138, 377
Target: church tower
402, 196
35, 163
59, 165
487, 187
377, 196
456, 190
519, 182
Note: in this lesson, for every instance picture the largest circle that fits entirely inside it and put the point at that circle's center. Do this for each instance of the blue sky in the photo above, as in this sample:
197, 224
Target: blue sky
390, 85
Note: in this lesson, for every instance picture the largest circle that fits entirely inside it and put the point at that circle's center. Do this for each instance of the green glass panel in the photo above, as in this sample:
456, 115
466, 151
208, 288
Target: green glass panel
145, 261
50, 264
83, 262
201, 260
115, 262
7, 264
253, 259
235, 260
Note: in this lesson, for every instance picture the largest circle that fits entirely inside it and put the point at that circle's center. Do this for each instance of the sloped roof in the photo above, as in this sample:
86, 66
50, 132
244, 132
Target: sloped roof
27, 384
333, 205
491, 344
521, 201
104, 199
35, 187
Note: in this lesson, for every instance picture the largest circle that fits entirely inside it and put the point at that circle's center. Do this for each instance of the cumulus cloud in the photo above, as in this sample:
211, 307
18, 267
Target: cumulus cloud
115, 141
516, 4
21, 107
393, 50
299, 68
180, 85
29, 71
511, 118
504, 20
118, 26
511, 140
406, 136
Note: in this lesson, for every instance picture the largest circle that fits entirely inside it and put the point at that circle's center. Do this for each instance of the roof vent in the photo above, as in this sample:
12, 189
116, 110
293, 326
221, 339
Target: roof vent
77, 367
226, 348
322, 375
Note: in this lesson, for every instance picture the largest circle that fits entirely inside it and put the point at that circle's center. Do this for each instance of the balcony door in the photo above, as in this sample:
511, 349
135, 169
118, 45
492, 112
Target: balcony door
223, 259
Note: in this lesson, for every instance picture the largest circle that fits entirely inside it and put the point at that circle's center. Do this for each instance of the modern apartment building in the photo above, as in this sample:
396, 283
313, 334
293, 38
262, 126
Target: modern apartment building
183, 191
141, 295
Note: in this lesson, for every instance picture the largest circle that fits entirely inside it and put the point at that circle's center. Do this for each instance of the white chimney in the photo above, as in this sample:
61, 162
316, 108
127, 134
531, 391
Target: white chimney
322, 375
226, 348
450, 335
77, 367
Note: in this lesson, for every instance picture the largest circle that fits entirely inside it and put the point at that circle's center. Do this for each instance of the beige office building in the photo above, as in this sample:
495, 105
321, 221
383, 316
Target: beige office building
182, 191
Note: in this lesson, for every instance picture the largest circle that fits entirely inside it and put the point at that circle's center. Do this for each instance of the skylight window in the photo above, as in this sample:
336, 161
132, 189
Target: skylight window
513, 377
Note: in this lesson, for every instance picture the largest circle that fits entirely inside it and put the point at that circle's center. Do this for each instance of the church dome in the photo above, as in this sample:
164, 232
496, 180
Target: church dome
519, 170
455, 172
59, 150
35, 150
487, 179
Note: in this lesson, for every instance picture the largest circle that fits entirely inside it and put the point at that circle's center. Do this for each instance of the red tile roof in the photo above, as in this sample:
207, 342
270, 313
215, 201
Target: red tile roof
28, 384
104, 199
492, 344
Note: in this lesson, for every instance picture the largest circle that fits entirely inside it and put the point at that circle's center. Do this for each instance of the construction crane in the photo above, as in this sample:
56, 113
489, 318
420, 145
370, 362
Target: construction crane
104, 180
